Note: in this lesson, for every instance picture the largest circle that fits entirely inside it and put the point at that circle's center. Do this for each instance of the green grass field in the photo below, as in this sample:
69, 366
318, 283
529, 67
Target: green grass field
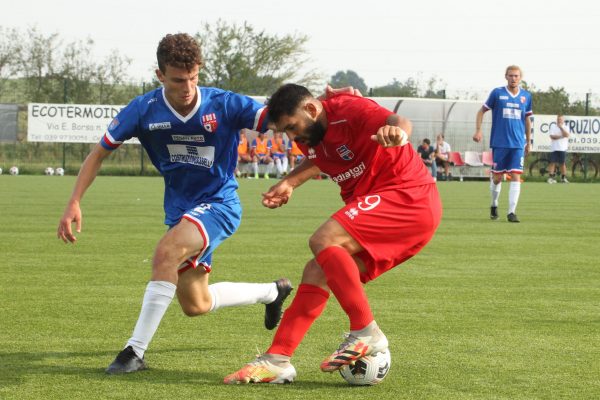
489, 310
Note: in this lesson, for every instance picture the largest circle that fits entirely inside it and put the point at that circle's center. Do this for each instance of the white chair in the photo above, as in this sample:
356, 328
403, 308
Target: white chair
473, 159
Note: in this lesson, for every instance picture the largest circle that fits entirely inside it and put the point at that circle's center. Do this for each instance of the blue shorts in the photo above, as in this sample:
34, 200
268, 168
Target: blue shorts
279, 155
507, 160
215, 222
262, 158
558, 157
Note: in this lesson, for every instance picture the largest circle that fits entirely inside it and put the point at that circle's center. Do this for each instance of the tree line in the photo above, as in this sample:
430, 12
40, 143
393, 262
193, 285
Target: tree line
44, 68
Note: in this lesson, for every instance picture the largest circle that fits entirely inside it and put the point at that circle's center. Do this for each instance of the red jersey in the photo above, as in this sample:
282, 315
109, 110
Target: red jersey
356, 162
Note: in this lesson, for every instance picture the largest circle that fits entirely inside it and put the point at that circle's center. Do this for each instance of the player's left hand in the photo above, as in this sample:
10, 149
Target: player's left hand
390, 136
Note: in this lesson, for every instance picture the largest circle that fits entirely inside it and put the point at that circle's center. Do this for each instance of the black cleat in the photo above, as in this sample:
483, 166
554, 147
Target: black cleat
127, 361
512, 217
493, 212
273, 311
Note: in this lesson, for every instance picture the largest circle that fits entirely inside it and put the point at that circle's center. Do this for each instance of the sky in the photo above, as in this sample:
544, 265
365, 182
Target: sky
465, 45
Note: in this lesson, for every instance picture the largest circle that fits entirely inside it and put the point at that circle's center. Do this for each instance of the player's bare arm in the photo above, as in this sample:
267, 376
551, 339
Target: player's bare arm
279, 194
478, 136
87, 174
330, 92
527, 135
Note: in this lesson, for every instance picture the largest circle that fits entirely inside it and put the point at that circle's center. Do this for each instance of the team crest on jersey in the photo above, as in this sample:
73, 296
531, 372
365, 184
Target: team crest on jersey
345, 153
523, 99
113, 124
209, 121
311, 153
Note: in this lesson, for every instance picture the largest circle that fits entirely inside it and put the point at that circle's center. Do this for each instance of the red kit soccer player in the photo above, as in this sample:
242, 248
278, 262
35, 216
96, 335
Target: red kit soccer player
392, 210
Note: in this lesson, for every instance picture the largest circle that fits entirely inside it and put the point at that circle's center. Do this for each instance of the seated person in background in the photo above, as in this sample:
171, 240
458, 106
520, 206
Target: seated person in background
279, 154
294, 154
442, 156
261, 153
244, 157
427, 153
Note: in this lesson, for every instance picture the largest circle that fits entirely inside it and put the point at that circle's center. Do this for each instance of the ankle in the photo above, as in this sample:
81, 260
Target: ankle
372, 329
277, 359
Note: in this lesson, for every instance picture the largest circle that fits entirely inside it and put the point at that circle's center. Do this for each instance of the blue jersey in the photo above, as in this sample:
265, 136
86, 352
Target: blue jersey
508, 117
196, 154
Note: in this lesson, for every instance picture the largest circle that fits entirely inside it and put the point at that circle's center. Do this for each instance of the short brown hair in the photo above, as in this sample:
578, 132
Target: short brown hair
178, 50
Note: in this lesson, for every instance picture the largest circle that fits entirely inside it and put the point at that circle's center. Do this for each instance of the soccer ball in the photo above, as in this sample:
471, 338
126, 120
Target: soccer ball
14, 170
369, 370
49, 171
59, 171
0, 171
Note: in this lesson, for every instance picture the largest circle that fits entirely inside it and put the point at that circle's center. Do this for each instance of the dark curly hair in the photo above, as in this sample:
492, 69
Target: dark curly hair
178, 50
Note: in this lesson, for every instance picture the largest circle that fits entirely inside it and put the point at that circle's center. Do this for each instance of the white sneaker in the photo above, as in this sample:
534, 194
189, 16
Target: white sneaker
262, 370
564, 180
354, 348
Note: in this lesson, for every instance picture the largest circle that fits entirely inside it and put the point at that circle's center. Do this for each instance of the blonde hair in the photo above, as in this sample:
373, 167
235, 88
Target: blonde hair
513, 68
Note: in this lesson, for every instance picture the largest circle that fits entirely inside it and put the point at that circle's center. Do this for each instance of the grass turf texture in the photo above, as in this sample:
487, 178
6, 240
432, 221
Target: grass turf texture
488, 310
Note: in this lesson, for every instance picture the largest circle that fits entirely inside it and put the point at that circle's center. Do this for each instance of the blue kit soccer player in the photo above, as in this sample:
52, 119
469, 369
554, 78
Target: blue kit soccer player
191, 135
511, 107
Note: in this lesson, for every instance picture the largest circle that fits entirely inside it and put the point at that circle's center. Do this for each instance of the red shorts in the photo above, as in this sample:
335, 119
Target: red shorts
391, 226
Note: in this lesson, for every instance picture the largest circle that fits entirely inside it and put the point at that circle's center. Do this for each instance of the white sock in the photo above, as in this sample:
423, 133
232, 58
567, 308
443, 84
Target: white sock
513, 195
157, 298
495, 191
231, 294
278, 166
368, 330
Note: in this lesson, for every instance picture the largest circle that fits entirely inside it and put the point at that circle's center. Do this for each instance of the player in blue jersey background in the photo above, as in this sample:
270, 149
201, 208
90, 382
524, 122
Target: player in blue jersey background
511, 107
191, 135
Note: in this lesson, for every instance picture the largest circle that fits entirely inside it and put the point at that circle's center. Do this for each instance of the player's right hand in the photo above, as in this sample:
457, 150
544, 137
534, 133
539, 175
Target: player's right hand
72, 214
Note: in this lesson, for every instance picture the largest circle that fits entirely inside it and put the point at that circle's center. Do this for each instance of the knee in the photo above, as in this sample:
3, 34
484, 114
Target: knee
314, 275
317, 242
166, 254
196, 308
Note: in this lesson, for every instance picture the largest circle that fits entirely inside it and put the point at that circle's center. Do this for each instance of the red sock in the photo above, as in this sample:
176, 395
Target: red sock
306, 307
343, 278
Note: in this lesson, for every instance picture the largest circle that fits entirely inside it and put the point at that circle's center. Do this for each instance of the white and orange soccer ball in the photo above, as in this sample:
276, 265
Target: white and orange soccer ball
369, 370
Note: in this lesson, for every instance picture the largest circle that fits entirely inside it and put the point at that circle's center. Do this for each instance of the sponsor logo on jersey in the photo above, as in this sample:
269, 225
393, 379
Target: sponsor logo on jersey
113, 124
352, 173
152, 100
209, 121
345, 152
159, 125
195, 155
311, 153
511, 113
503, 97
188, 138
514, 105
